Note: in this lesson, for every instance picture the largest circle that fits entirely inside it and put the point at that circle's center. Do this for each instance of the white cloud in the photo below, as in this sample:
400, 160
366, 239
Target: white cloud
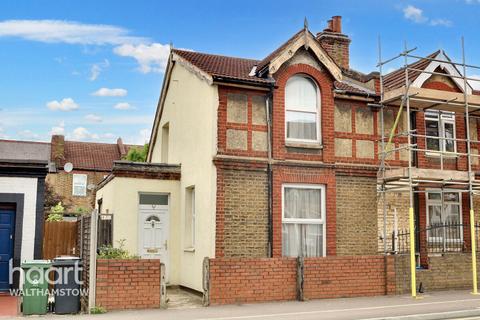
59, 129
151, 57
71, 32
441, 22
415, 14
93, 118
27, 134
123, 106
97, 68
67, 104
82, 133
106, 92
142, 137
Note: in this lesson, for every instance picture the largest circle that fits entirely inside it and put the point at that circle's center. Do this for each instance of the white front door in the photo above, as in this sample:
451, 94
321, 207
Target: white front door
154, 227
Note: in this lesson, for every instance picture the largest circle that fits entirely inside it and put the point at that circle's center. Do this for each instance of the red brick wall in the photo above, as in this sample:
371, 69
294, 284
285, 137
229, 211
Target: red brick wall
128, 284
336, 277
304, 175
237, 280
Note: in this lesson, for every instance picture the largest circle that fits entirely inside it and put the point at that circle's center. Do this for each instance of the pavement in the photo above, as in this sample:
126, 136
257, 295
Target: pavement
437, 305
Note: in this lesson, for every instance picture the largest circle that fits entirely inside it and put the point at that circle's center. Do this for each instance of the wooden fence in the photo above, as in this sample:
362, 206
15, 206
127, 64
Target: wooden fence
59, 238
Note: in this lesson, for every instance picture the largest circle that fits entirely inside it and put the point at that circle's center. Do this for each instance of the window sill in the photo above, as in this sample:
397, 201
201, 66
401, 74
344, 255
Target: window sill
438, 155
304, 145
189, 250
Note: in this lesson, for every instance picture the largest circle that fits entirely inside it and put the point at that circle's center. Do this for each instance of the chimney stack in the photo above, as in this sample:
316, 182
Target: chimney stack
121, 148
335, 43
57, 153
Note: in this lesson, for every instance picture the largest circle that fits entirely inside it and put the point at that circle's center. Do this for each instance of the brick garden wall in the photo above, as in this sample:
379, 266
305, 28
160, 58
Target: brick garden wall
236, 280
354, 276
445, 272
128, 284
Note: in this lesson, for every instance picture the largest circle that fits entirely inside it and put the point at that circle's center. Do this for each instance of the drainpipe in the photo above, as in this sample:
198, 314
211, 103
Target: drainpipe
269, 113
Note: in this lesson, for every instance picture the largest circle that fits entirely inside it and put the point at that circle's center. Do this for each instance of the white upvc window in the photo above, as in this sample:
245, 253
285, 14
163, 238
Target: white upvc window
303, 220
440, 131
79, 187
444, 216
190, 218
302, 110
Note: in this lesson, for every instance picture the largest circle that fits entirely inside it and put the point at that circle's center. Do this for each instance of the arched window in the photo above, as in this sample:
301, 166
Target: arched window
302, 106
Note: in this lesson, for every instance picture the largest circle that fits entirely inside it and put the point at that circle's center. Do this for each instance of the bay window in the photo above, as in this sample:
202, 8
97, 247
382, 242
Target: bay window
303, 221
302, 105
440, 131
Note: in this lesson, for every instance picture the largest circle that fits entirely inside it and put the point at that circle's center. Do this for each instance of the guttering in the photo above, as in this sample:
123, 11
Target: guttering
240, 82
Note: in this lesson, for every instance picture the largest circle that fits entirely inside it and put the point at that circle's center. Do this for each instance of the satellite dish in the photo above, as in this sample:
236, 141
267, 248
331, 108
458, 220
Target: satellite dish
68, 167
91, 187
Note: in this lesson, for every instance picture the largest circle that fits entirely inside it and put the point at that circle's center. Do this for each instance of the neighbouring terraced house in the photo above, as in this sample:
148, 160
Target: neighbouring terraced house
257, 160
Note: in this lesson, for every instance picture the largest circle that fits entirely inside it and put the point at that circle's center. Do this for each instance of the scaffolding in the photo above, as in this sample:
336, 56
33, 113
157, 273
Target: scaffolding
413, 178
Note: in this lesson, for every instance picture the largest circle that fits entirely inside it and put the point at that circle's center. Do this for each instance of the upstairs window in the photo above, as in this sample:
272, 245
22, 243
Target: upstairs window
79, 185
302, 105
440, 131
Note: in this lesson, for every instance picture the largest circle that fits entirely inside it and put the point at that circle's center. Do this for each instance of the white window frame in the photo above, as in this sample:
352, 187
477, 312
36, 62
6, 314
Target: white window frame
441, 202
84, 194
442, 118
192, 215
317, 113
323, 209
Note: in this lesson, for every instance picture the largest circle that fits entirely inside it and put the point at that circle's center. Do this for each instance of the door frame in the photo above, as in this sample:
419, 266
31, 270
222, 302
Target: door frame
11, 208
140, 228
17, 200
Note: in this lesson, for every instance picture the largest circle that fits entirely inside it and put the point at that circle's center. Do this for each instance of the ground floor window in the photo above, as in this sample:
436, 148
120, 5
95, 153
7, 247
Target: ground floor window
444, 216
303, 221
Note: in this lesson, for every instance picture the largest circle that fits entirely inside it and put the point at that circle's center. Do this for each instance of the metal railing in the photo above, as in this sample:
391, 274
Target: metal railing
436, 238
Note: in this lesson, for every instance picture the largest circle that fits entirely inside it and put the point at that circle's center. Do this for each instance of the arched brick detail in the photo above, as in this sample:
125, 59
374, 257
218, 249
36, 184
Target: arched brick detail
325, 84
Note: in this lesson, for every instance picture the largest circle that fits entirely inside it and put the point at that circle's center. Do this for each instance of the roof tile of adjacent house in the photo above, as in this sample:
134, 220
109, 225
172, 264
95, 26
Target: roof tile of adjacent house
87, 155
396, 79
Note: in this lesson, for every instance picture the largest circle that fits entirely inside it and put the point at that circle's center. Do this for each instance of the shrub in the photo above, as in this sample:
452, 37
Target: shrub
110, 252
137, 154
97, 310
56, 213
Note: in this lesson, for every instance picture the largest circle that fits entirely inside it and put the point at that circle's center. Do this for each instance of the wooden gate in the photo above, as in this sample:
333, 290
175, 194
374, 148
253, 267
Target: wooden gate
59, 238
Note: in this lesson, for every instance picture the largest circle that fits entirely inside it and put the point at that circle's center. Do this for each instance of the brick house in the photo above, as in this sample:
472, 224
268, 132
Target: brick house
255, 162
91, 163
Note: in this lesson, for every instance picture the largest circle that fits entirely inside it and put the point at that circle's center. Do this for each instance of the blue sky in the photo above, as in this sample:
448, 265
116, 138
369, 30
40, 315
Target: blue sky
92, 70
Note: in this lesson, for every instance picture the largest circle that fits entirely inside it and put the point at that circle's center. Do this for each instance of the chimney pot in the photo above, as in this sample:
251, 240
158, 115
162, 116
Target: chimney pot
337, 24
329, 25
